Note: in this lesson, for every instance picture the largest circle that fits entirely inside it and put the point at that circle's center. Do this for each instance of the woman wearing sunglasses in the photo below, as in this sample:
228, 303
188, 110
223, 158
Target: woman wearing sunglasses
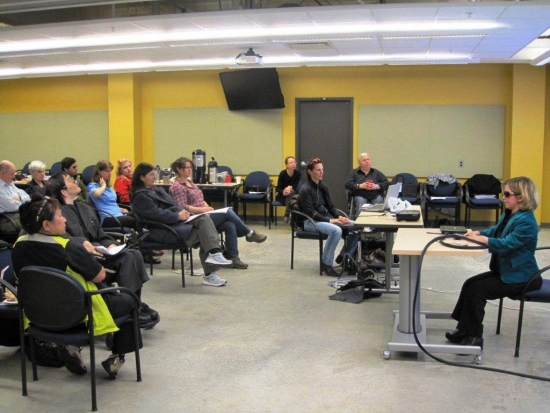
512, 242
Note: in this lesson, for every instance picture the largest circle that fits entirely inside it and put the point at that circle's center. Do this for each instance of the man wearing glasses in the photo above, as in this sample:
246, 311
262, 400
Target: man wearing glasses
70, 166
11, 198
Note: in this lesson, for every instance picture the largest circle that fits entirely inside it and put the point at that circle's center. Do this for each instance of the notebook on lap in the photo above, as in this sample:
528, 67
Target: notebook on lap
393, 192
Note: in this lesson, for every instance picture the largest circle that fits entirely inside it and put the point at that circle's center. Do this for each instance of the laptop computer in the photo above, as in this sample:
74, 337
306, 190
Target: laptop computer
451, 229
393, 192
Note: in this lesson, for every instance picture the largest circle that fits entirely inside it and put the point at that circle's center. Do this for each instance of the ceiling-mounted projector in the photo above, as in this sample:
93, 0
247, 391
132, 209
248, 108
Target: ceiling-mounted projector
250, 58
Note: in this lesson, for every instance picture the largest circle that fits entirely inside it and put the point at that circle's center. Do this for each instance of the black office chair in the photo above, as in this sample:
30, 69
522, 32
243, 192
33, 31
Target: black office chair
25, 169
410, 188
148, 245
482, 192
257, 190
10, 227
60, 311
542, 295
444, 195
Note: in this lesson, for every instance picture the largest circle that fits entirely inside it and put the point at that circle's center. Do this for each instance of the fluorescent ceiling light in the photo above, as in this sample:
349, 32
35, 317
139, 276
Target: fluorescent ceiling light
291, 60
271, 33
542, 59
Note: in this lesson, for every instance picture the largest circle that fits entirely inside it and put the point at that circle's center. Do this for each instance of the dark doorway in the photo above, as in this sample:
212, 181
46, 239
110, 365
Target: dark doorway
324, 129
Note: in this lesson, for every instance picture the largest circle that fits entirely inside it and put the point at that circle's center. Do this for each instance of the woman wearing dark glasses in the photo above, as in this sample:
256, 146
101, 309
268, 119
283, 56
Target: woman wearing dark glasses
512, 242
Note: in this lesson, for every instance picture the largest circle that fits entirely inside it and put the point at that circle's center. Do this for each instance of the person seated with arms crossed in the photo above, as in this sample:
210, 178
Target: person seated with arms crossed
82, 226
367, 185
70, 166
44, 245
287, 183
152, 204
123, 181
512, 243
315, 201
11, 198
38, 181
189, 196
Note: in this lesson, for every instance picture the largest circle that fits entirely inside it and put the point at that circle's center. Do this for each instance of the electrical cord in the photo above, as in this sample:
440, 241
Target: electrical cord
417, 289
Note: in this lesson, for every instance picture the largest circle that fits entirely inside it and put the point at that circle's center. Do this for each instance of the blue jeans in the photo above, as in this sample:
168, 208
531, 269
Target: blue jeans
359, 201
334, 233
230, 224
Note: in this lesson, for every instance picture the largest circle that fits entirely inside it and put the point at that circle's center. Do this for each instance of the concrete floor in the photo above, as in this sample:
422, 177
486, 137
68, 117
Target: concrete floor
272, 341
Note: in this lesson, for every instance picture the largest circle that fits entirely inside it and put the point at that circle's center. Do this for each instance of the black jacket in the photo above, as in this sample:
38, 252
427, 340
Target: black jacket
357, 176
309, 202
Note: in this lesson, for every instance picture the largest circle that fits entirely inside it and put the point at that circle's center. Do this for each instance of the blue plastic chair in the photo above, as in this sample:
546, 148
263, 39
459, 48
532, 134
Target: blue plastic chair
444, 195
257, 190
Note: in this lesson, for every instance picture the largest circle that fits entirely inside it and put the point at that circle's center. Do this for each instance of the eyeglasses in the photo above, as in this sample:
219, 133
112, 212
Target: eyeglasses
509, 194
44, 202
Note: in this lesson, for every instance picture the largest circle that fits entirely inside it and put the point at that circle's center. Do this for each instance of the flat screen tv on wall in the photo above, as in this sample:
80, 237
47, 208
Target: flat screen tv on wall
252, 89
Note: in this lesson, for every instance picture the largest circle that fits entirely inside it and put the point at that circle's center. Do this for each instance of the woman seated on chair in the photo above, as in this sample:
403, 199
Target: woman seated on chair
153, 204
37, 170
512, 242
287, 183
190, 197
45, 246
123, 181
105, 200
316, 202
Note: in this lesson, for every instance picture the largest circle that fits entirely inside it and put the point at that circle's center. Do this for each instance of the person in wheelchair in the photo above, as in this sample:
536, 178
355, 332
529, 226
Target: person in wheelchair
315, 201
366, 184
126, 268
190, 197
45, 245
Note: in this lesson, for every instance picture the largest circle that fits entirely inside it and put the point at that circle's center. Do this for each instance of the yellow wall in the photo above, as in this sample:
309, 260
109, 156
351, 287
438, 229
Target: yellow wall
131, 99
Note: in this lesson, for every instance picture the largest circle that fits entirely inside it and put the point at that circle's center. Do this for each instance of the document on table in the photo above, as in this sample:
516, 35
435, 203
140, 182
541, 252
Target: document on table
215, 211
112, 251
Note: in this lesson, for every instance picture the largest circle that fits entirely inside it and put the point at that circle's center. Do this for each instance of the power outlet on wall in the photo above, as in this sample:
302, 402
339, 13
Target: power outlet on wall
461, 164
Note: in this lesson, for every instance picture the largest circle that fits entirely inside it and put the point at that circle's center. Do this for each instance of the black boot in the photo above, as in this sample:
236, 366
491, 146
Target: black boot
329, 270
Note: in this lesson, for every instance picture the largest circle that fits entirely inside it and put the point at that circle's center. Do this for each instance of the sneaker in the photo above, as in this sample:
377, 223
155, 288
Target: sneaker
213, 280
218, 259
73, 360
145, 309
237, 263
112, 365
255, 237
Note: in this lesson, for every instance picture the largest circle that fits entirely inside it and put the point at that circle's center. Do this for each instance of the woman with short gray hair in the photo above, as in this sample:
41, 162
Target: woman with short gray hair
37, 170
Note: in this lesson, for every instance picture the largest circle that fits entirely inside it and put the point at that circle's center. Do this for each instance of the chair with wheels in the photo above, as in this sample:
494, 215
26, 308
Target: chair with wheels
444, 195
257, 190
482, 192
410, 188
542, 295
59, 310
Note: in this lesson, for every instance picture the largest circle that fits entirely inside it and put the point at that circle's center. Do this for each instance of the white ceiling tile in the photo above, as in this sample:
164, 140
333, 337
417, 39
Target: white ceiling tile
404, 13
472, 11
